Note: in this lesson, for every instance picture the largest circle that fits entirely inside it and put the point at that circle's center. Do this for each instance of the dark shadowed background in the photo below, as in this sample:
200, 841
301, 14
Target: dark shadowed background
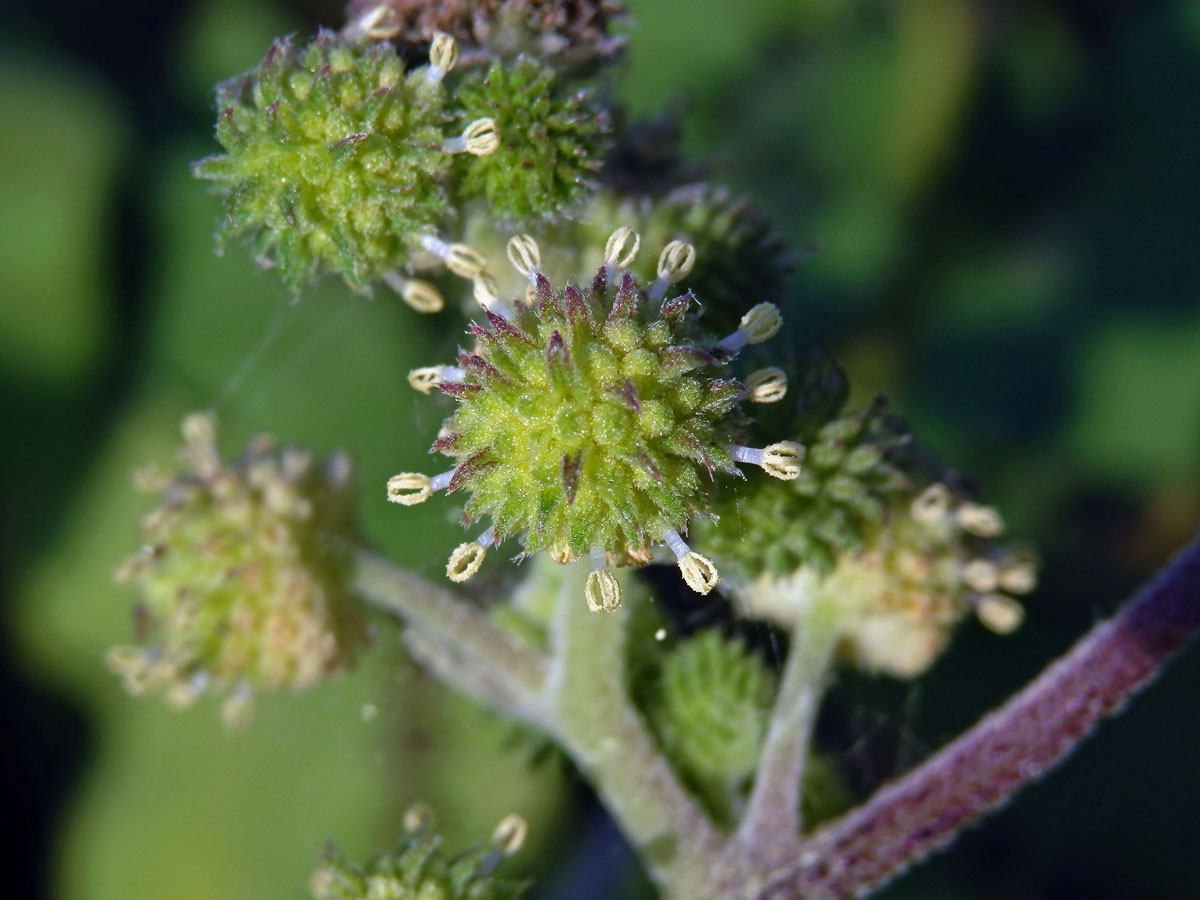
1004, 200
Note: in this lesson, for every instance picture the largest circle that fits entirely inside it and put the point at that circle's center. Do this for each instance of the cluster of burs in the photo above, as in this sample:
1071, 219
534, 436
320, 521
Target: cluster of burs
619, 400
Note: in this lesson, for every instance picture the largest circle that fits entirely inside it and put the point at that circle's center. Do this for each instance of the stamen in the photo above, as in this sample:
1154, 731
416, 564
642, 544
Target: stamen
486, 293
426, 378
480, 138
434, 245
931, 505
420, 295
372, 25
418, 818
980, 575
411, 488
510, 834
766, 386
464, 261
620, 250
760, 324
467, 558
1000, 613
526, 257
780, 460
674, 264
443, 54
603, 591
981, 521
698, 571
1018, 576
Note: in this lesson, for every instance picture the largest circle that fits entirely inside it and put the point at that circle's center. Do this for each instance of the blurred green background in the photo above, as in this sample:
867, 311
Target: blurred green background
1004, 200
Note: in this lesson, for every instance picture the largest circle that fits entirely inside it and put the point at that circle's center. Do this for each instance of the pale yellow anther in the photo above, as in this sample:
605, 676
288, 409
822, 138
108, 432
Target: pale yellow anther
980, 575
377, 23
981, 521
443, 51
603, 591
931, 505
761, 323
531, 294
409, 488
699, 572
1018, 576
1000, 613
465, 561
422, 296
199, 428
676, 261
425, 379
510, 834
481, 137
485, 290
418, 818
464, 261
782, 460
766, 386
524, 254
622, 247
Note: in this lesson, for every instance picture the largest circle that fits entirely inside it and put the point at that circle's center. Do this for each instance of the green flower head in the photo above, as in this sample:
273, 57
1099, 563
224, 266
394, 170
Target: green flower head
243, 579
595, 421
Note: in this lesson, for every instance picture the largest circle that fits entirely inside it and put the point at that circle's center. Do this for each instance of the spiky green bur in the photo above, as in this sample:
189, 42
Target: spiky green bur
930, 560
243, 580
420, 869
333, 159
839, 498
594, 421
710, 708
552, 141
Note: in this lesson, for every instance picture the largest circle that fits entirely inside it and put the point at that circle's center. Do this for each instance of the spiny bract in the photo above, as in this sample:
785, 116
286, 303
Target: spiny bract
243, 581
552, 145
336, 158
593, 421
420, 869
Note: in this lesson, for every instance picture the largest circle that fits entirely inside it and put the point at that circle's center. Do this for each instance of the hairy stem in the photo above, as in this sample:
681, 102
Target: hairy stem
466, 649
593, 718
769, 833
1020, 741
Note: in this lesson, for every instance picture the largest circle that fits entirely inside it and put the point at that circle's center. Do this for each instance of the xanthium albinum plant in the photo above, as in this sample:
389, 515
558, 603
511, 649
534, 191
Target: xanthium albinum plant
604, 418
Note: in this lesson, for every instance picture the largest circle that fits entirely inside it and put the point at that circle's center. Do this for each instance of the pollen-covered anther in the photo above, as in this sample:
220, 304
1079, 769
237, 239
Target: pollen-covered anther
760, 324
980, 575
479, 138
603, 591
409, 488
621, 249
510, 834
525, 256
781, 460
420, 295
377, 24
999, 613
467, 558
1018, 576
981, 521
931, 505
426, 378
675, 263
766, 386
443, 54
486, 292
698, 571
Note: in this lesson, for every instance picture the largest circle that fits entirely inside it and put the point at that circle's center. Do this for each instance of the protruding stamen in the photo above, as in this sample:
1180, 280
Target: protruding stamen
525, 256
698, 571
621, 250
487, 294
1018, 576
480, 138
409, 488
1000, 613
980, 575
931, 505
464, 261
760, 324
465, 561
376, 24
780, 460
766, 386
443, 54
420, 295
981, 521
603, 591
426, 378
418, 818
442, 481
674, 264
510, 834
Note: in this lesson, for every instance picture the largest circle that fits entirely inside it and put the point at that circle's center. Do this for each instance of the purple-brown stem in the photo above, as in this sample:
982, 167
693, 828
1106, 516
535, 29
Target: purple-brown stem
906, 820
